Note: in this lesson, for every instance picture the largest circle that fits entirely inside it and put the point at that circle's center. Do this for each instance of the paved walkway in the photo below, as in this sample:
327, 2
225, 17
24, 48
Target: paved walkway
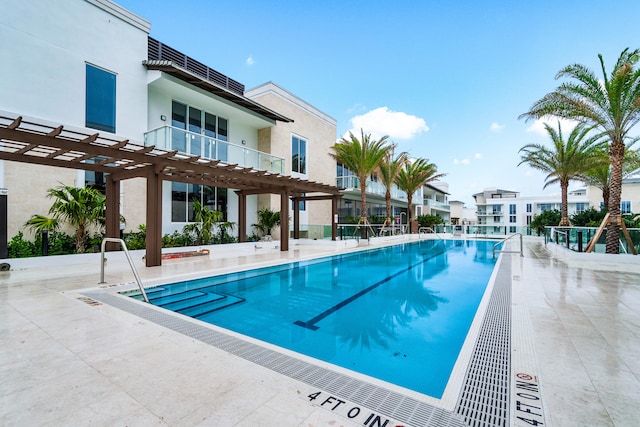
66, 361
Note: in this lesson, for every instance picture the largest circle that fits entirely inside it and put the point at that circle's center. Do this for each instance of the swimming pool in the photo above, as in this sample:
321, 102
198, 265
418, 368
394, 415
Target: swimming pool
399, 314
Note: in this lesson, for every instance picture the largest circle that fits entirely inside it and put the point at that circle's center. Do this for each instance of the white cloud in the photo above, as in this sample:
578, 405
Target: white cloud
382, 121
495, 127
461, 162
538, 125
250, 60
477, 156
466, 161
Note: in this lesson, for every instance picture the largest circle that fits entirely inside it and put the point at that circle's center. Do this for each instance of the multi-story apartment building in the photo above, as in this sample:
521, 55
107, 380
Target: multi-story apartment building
148, 122
500, 211
435, 200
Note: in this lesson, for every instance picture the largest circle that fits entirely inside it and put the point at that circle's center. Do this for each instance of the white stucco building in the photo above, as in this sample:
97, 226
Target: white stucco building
91, 65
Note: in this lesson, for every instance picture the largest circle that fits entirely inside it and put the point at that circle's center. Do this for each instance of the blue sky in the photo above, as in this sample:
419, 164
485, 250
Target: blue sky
445, 80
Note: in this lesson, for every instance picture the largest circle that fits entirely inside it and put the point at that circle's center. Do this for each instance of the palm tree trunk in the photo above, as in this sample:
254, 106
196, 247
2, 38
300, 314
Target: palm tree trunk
387, 198
564, 219
605, 197
363, 203
616, 154
80, 239
409, 210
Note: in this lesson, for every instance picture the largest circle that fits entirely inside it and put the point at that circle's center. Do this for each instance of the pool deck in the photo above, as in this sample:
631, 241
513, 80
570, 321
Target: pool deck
69, 360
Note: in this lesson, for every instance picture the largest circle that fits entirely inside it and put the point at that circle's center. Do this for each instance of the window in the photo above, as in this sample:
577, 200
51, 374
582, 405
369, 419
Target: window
496, 219
183, 195
512, 219
529, 218
601, 206
298, 155
625, 207
580, 207
100, 99
528, 207
512, 209
545, 207
198, 122
512, 229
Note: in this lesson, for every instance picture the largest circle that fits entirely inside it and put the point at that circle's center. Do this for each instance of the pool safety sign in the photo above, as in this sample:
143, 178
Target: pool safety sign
355, 413
527, 401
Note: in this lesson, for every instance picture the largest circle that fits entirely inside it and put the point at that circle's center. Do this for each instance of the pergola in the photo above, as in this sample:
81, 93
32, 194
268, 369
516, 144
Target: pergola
37, 142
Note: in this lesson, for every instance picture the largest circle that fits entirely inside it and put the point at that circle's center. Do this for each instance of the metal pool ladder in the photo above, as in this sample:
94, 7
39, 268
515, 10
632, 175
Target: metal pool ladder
126, 252
509, 252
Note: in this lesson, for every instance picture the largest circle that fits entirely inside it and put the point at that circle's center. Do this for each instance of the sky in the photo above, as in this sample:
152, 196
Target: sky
446, 81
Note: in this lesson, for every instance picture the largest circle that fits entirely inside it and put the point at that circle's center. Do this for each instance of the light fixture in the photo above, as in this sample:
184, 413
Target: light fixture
163, 117
244, 142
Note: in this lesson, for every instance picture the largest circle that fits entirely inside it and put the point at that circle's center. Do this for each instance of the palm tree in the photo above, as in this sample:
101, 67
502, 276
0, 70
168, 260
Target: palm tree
388, 171
205, 220
611, 105
599, 175
362, 157
413, 176
267, 219
565, 161
80, 207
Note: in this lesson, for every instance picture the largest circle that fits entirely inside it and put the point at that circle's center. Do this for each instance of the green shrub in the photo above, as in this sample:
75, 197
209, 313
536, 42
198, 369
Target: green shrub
20, 248
429, 220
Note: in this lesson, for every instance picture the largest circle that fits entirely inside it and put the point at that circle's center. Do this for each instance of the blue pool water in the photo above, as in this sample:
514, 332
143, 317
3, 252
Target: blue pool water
400, 313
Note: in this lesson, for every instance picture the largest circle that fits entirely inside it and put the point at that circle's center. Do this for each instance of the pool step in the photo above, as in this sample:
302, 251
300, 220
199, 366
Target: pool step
192, 301
205, 306
163, 300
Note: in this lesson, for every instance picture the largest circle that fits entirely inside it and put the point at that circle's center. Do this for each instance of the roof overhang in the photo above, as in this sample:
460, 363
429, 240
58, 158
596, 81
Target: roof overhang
187, 76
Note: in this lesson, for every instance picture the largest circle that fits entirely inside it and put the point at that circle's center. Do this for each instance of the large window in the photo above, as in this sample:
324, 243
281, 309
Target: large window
100, 102
580, 207
625, 207
512, 209
529, 207
183, 195
298, 155
198, 122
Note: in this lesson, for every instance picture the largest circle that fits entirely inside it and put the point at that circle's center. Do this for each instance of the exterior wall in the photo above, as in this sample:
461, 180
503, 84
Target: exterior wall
630, 192
49, 43
317, 128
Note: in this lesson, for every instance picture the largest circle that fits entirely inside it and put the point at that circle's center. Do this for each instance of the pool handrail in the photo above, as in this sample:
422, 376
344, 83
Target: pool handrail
126, 252
425, 229
509, 252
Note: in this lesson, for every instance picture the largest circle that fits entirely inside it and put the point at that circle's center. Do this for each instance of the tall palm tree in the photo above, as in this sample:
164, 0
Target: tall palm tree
611, 105
388, 171
599, 175
565, 161
80, 207
413, 176
362, 157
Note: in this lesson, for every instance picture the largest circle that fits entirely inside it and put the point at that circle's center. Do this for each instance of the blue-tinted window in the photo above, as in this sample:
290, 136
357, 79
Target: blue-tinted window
298, 155
100, 108
625, 207
512, 209
528, 207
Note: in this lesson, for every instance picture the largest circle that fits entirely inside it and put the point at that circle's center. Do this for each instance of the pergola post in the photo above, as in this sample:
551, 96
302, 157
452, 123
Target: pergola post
242, 216
284, 220
154, 219
334, 217
112, 211
296, 218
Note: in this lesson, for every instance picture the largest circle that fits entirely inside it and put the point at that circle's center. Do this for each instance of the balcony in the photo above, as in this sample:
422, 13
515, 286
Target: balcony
436, 204
352, 182
190, 143
489, 213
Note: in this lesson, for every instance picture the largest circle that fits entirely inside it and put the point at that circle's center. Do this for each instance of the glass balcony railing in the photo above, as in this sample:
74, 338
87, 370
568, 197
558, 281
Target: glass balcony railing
170, 138
577, 238
436, 204
352, 182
